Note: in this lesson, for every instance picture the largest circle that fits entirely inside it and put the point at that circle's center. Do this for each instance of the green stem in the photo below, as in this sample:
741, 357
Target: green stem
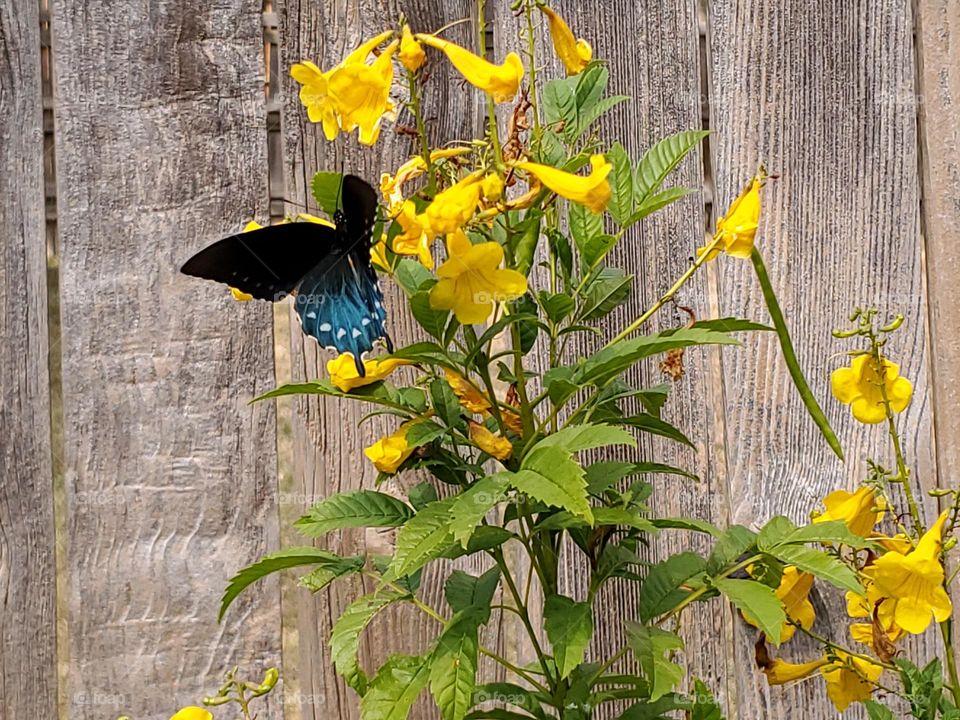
491, 106
416, 109
519, 672
668, 295
946, 630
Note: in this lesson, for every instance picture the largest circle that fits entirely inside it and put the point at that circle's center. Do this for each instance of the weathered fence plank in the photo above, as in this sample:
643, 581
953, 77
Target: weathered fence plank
328, 450
824, 94
659, 70
170, 475
28, 677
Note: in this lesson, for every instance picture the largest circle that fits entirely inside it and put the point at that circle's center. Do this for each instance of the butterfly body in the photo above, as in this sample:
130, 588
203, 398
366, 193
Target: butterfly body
327, 269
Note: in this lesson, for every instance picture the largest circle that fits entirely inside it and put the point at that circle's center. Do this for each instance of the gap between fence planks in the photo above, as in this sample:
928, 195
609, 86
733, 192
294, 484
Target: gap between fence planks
824, 94
170, 474
28, 678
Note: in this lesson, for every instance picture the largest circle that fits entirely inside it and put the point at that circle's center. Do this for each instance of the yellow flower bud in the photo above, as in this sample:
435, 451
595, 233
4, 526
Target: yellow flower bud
411, 55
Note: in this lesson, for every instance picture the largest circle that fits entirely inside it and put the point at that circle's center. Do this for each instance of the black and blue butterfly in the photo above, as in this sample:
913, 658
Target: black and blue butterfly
326, 269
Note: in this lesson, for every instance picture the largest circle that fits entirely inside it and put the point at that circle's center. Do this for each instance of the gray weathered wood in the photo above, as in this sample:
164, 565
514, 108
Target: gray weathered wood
328, 449
659, 70
28, 678
170, 474
824, 94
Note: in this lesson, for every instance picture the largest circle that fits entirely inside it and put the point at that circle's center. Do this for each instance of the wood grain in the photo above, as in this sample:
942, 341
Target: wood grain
170, 474
28, 676
328, 450
824, 94
659, 70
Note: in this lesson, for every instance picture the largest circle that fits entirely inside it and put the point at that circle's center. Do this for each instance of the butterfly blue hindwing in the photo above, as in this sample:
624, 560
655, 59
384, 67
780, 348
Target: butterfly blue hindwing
337, 298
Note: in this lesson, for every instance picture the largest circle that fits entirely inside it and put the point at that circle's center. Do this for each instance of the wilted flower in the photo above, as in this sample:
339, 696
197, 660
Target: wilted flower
573, 53
495, 445
859, 387
501, 82
471, 280
470, 398
343, 371
592, 191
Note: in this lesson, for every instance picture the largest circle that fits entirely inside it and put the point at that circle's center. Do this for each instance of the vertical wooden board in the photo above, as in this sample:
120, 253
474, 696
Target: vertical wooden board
659, 70
328, 447
938, 51
824, 94
161, 148
28, 678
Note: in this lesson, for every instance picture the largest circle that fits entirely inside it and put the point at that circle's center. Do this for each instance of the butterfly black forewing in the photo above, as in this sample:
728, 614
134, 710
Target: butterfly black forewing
338, 299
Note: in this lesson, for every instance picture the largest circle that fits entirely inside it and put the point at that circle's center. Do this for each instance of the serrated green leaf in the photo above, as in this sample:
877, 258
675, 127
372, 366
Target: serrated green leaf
472, 505
569, 627
604, 475
362, 508
559, 102
876, 711
464, 591
553, 477
623, 517
453, 667
587, 437
658, 201
660, 160
653, 647
655, 426
621, 184
423, 538
326, 190
395, 688
824, 566
733, 543
608, 290
507, 694
790, 356
422, 432
345, 635
661, 591
732, 324
608, 363
589, 115
318, 579
774, 531
758, 601
445, 402
830, 531
412, 277
274, 562
701, 526
557, 306
705, 707
596, 248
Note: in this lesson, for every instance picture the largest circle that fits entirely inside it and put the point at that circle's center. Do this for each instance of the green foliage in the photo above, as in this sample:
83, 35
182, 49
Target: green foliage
395, 688
345, 636
653, 648
757, 601
569, 627
362, 508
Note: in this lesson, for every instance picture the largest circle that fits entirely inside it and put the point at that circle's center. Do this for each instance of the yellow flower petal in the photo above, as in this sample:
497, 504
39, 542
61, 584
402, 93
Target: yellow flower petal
499, 81
193, 713
453, 208
388, 453
850, 679
857, 509
414, 238
411, 55
859, 387
574, 54
343, 371
779, 671
592, 191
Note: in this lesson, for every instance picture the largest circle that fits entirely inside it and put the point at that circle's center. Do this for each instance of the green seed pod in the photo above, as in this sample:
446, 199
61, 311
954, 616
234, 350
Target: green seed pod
894, 324
269, 681
215, 701
950, 544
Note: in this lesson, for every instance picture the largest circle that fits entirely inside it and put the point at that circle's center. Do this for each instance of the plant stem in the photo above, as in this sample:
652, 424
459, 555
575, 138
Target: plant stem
514, 669
416, 109
946, 630
667, 296
491, 107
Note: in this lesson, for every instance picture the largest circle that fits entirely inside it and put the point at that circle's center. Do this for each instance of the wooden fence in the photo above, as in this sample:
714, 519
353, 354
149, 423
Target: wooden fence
135, 476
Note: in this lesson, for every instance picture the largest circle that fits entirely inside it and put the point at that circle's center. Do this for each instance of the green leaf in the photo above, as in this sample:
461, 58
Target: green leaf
412, 277
790, 357
621, 184
731, 324
609, 289
550, 475
608, 363
734, 541
590, 114
586, 437
756, 600
422, 432
655, 426
661, 591
773, 533
693, 524
424, 538
557, 306
445, 402
569, 627
653, 648
622, 516
559, 101
602, 476
433, 321
472, 505
421, 495
464, 591
289, 558
591, 84
345, 635
584, 224
453, 667
660, 160
326, 190
524, 310
362, 508
829, 531
659, 201
337, 567
824, 566
507, 694
876, 711
705, 706
595, 249
395, 688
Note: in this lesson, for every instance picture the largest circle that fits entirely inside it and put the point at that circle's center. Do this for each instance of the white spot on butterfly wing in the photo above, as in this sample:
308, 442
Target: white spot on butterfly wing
356, 333
325, 327
341, 333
